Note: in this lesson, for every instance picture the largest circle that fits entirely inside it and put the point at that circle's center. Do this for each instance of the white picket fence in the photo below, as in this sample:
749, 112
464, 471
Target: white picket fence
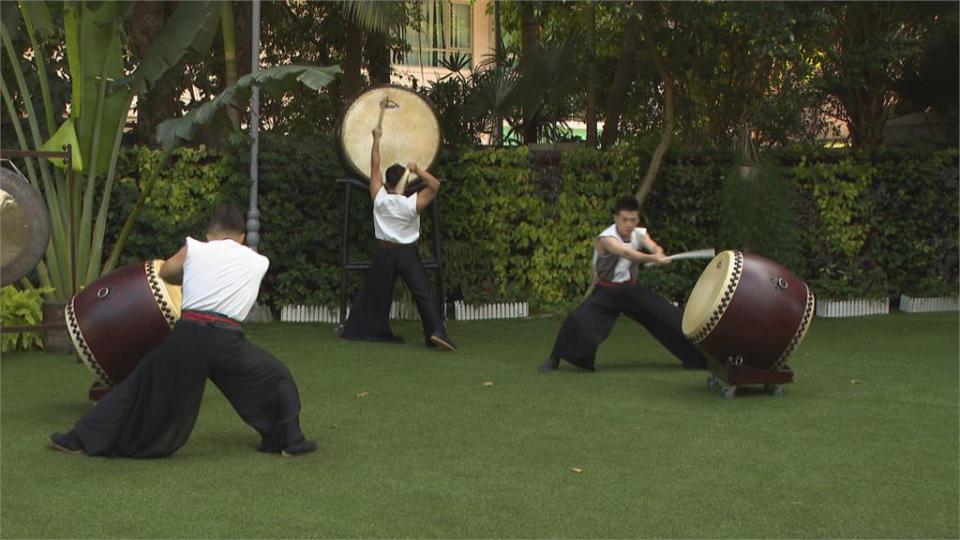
922, 305
852, 308
324, 314
505, 310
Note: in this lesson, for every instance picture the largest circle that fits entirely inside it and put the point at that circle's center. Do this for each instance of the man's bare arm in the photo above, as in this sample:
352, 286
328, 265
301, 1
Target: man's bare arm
172, 269
613, 245
376, 177
428, 193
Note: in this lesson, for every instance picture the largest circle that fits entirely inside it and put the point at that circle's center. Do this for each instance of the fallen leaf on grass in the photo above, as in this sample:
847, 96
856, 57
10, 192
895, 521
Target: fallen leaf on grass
856, 381
363, 394
576, 470
488, 383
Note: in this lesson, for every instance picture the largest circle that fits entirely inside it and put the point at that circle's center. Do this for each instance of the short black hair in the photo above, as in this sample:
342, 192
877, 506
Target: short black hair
627, 203
227, 218
394, 174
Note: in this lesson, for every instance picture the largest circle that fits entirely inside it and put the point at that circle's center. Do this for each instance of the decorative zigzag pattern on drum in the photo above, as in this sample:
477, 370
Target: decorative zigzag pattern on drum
724, 300
808, 311
86, 355
156, 287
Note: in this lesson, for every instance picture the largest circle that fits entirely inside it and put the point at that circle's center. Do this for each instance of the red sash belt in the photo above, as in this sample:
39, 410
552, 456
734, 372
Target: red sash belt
206, 316
614, 284
390, 245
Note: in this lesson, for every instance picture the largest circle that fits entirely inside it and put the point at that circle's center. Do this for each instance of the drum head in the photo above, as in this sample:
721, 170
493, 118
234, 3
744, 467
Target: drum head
24, 226
706, 297
411, 131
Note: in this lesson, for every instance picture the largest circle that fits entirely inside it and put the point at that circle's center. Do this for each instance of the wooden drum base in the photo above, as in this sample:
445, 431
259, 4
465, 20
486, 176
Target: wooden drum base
728, 378
98, 390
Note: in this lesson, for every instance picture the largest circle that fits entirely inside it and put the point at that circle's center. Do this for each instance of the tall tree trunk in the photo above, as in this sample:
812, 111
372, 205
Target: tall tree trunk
497, 129
529, 40
378, 58
243, 34
591, 118
146, 21
228, 28
650, 12
351, 60
622, 78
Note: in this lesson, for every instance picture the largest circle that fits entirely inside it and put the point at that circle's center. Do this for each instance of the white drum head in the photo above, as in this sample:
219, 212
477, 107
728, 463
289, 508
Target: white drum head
411, 131
705, 301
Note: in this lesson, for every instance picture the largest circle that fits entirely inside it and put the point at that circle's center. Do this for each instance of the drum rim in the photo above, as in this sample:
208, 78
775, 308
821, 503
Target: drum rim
39, 223
342, 151
702, 325
161, 291
809, 311
80, 344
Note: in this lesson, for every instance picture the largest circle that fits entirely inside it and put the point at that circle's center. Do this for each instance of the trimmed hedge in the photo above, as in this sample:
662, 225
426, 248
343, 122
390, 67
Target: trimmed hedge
518, 225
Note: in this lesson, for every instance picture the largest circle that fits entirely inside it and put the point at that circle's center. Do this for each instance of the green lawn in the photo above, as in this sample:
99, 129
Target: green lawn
418, 443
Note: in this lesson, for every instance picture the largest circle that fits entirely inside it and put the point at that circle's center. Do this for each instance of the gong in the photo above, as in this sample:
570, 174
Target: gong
24, 226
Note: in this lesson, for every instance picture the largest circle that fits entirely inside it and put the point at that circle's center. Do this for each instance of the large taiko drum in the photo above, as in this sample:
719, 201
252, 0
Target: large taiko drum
118, 318
746, 309
411, 130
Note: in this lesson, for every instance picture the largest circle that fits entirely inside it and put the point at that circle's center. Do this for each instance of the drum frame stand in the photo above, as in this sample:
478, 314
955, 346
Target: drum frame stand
730, 376
347, 265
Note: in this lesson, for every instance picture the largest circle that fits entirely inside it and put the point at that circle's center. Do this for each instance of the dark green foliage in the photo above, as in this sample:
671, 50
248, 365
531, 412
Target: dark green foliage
194, 182
519, 224
759, 213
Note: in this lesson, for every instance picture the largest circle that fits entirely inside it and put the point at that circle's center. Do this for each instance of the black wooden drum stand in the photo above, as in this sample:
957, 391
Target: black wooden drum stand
729, 377
347, 265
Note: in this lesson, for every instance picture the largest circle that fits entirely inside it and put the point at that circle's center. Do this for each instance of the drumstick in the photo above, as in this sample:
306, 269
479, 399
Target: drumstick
707, 253
387, 103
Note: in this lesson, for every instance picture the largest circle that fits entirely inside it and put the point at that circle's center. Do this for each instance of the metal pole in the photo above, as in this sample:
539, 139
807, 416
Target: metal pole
253, 215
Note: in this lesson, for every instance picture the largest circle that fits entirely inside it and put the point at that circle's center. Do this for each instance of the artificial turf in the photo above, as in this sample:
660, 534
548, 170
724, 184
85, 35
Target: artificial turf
421, 443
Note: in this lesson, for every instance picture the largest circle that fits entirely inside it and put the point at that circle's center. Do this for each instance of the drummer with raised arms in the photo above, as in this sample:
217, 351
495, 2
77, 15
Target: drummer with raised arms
396, 224
152, 412
618, 252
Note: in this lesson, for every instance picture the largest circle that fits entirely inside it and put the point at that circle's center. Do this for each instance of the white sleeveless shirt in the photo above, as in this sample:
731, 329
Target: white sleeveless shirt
222, 276
395, 217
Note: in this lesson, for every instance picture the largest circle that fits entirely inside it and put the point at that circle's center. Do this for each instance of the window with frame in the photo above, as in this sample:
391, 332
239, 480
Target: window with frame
444, 31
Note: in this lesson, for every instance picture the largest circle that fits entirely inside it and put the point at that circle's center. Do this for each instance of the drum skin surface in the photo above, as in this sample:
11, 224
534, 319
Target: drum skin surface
411, 130
748, 309
120, 317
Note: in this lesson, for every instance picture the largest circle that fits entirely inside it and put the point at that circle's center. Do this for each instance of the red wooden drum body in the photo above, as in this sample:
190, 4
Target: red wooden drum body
748, 309
118, 318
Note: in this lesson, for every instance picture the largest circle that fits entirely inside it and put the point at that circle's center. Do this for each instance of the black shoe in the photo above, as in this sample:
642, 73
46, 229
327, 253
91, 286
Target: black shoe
299, 448
442, 340
67, 442
550, 365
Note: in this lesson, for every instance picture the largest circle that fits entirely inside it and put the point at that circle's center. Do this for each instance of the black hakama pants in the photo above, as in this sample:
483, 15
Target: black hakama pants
152, 413
370, 313
590, 324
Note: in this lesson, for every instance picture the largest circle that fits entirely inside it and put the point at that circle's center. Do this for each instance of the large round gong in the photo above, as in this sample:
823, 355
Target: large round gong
24, 226
411, 131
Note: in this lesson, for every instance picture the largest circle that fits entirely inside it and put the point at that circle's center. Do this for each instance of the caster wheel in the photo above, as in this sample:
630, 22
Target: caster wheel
778, 391
712, 382
729, 392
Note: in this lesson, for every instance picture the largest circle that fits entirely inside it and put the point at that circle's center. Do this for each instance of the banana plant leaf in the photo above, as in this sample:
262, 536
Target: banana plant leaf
175, 131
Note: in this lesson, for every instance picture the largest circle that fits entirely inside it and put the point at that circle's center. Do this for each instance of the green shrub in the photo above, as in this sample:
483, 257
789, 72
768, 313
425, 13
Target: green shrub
21, 307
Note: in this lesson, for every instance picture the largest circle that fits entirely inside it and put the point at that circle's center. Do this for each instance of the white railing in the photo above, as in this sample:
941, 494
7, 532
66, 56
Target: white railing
922, 305
326, 314
852, 308
480, 312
